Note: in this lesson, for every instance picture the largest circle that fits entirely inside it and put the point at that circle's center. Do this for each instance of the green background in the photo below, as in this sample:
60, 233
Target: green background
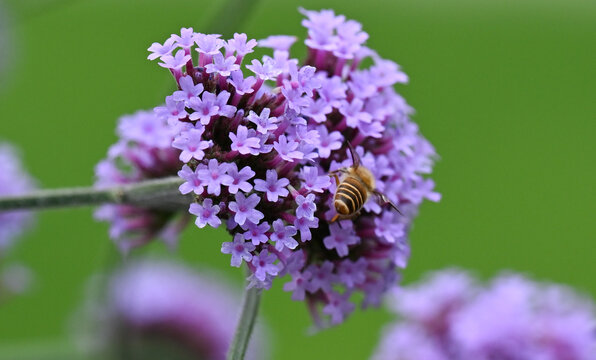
505, 90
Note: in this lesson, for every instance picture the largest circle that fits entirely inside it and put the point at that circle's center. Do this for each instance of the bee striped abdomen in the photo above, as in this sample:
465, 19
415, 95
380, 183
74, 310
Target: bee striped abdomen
351, 194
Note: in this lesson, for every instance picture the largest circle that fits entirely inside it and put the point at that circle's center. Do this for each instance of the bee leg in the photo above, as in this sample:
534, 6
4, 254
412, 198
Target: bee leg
334, 218
338, 171
384, 201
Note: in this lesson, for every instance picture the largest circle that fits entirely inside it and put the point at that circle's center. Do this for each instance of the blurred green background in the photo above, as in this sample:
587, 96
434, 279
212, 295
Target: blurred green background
505, 90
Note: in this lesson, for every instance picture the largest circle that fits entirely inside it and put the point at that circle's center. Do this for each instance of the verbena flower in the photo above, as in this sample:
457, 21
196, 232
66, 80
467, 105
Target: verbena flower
274, 130
452, 316
146, 149
160, 310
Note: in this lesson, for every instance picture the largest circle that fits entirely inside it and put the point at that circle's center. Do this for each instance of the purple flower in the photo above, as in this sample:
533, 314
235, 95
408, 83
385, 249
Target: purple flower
304, 224
174, 62
213, 175
206, 214
265, 71
159, 50
322, 277
306, 206
278, 42
240, 45
264, 123
186, 38
209, 44
188, 90
236, 180
192, 145
264, 265
274, 187
283, 235
511, 318
287, 149
239, 249
257, 233
223, 67
340, 238
244, 141
298, 285
312, 181
285, 137
157, 307
244, 209
192, 182
140, 154
204, 108
328, 141
241, 84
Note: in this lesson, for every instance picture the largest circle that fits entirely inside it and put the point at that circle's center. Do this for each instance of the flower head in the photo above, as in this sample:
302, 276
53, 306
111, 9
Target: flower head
145, 151
151, 308
452, 316
275, 128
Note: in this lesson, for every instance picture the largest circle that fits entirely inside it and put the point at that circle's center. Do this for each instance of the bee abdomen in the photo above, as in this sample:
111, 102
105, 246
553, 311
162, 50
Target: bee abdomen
350, 196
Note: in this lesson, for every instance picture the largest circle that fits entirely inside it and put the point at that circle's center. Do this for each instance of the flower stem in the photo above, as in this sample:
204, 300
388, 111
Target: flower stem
157, 193
246, 323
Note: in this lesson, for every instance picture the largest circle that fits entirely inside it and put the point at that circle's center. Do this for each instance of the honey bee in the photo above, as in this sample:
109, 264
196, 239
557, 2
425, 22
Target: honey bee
355, 188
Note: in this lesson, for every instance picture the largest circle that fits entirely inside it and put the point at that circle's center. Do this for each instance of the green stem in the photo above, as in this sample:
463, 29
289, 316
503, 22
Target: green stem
250, 308
158, 193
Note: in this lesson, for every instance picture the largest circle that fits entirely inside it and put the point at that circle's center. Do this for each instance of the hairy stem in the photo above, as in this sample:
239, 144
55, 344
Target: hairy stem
246, 323
158, 194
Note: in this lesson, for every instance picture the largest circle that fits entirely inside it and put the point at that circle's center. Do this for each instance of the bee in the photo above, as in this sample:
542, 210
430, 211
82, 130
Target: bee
355, 188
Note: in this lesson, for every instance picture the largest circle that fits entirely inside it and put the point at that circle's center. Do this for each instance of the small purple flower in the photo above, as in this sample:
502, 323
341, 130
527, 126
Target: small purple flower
239, 45
264, 265
273, 186
298, 285
236, 180
328, 141
340, 238
338, 307
188, 90
264, 123
278, 42
223, 67
222, 102
306, 206
283, 235
192, 145
206, 214
265, 71
353, 113
186, 38
257, 233
312, 181
241, 84
239, 249
304, 224
173, 110
287, 149
352, 273
192, 183
244, 209
204, 107
387, 229
244, 141
318, 110
209, 44
322, 277
174, 62
159, 50
213, 175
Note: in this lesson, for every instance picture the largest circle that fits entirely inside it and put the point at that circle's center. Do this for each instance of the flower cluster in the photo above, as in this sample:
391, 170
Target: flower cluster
450, 316
143, 152
259, 139
14, 180
156, 310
